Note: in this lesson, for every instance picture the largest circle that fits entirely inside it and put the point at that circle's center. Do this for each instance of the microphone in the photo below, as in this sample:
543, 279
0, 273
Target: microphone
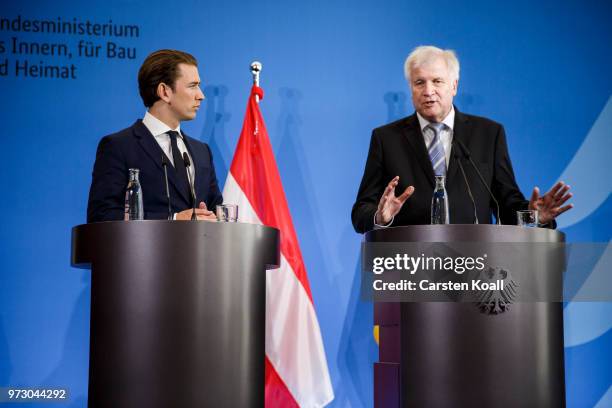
469, 190
193, 196
467, 154
165, 166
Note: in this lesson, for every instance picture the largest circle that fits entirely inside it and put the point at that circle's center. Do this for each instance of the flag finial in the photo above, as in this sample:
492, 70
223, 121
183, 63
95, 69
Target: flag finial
255, 70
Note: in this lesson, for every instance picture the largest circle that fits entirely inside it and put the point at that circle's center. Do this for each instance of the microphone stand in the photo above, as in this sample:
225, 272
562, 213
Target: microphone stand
193, 196
165, 166
469, 190
467, 154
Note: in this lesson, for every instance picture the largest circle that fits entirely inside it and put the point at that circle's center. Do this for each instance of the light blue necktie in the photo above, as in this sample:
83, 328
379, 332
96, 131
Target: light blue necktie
436, 150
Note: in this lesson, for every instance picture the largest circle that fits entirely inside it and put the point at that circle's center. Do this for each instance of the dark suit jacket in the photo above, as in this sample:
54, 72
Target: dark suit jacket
398, 149
135, 147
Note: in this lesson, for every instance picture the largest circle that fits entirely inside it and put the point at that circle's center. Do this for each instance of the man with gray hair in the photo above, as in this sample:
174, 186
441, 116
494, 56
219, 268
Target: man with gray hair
408, 153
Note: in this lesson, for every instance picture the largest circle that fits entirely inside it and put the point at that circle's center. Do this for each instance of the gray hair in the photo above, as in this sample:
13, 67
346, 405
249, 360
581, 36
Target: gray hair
426, 53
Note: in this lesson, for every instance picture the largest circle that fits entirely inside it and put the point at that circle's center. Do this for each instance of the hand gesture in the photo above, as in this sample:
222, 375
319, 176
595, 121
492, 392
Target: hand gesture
550, 205
389, 205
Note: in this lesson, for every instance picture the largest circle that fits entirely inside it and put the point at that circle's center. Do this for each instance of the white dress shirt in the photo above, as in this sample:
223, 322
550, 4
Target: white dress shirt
160, 130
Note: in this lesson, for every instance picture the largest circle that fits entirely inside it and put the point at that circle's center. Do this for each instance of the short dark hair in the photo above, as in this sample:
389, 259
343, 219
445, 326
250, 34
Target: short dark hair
160, 66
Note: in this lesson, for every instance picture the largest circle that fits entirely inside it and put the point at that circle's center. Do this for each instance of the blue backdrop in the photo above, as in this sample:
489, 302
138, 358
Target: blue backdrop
332, 71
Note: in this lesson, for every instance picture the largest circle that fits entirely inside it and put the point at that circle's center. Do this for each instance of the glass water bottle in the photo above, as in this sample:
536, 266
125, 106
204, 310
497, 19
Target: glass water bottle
439, 203
133, 198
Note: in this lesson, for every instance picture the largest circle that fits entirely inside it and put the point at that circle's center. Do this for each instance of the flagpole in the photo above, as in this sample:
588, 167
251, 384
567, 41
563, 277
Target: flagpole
255, 70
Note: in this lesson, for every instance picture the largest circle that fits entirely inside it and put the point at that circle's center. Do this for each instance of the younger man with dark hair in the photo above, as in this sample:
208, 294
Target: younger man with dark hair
169, 86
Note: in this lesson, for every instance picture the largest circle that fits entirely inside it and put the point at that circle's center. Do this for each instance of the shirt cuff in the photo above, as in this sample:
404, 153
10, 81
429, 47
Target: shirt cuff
378, 226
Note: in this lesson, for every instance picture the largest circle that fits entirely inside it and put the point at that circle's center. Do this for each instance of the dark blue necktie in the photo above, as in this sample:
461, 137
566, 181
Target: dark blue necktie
179, 164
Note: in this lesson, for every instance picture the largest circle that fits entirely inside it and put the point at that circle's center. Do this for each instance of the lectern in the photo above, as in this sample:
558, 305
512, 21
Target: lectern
177, 311
451, 354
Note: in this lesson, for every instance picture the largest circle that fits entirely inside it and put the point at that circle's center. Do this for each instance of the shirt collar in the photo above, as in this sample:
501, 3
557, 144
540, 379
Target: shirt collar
449, 120
156, 126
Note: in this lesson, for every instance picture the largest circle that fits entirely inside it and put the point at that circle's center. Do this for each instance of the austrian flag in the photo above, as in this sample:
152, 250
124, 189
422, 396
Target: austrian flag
296, 367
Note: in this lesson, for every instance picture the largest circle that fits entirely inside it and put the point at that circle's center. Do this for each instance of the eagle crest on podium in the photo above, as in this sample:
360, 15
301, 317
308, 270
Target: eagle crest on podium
496, 301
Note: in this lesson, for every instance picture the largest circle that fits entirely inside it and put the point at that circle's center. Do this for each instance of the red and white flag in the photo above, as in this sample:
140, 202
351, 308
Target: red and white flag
296, 366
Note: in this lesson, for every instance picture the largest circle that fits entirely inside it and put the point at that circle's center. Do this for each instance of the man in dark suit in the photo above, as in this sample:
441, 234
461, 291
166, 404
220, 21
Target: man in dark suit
408, 153
169, 85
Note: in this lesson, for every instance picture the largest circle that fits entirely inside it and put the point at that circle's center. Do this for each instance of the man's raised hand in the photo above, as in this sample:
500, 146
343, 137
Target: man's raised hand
389, 205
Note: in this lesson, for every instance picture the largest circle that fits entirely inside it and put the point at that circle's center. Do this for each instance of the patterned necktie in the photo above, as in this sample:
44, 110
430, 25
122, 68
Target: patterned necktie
179, 164
436, 150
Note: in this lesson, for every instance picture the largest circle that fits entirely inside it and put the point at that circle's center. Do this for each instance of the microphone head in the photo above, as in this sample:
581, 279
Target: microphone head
164, 160
186, 159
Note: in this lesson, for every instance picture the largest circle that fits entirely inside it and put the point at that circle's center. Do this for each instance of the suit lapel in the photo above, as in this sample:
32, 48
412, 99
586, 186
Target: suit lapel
417, 144
151, 147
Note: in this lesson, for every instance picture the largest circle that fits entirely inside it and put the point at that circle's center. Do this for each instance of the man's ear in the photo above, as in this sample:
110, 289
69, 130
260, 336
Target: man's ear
164, 92
455, 86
